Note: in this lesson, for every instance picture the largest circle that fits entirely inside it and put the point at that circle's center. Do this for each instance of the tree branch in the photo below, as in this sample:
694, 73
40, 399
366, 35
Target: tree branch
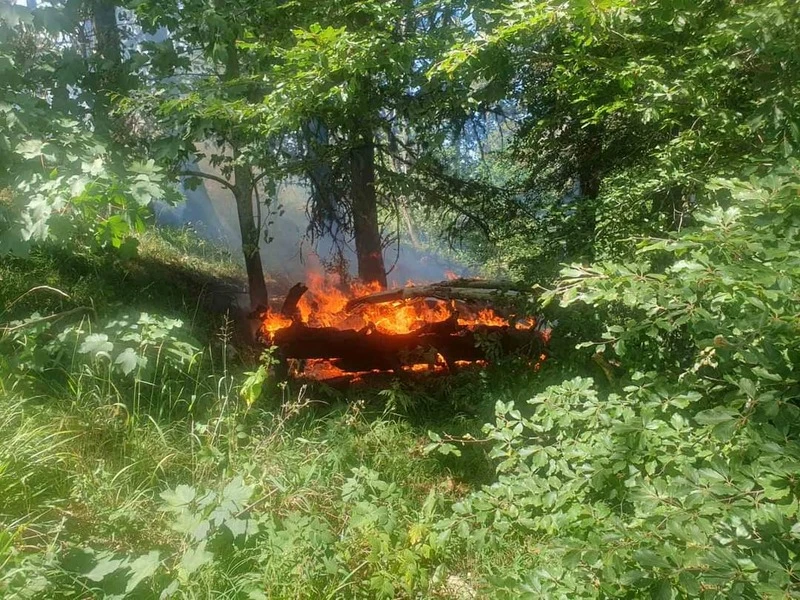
257, 179
219, 180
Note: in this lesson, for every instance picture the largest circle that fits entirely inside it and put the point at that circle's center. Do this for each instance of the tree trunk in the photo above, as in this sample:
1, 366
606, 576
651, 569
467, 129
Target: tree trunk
369, 250
589, 179
243, 192
320, 174
109, 45
108, 57
251, 234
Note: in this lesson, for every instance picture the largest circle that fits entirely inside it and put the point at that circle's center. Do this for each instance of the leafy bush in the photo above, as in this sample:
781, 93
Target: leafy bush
682, 479
132, 357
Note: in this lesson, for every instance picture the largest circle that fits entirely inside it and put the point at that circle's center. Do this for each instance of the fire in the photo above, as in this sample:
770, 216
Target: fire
324, 306
484, 317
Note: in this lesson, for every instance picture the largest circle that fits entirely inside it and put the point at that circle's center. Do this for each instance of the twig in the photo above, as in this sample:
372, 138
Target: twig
36, 289
48, 318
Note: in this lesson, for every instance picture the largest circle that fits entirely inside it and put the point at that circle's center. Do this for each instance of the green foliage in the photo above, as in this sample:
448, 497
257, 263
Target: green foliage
67, 181
253, 385
141, 348
629, 110
681, 479
655, 452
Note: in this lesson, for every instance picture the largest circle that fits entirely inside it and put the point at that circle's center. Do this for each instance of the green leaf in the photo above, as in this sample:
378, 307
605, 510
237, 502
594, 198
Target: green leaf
237, 492
127, 360
142, 568
179, 497
253, 385
716, 415
105, 567
690, 583
112, 231
129, 248
30, 148
194, 558
96, 343
243, 527
648, 558
662, 590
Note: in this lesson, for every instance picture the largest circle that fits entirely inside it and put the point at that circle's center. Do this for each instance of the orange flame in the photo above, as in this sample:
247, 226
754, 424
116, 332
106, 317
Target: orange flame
323, 305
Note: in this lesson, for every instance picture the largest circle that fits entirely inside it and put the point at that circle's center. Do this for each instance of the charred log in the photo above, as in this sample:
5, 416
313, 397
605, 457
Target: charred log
369, 349
289, 308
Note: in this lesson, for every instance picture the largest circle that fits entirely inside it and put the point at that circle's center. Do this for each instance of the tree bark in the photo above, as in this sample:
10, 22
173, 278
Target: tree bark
251, 234
110, 76
243, 193
369, 250
590, 177
109, 45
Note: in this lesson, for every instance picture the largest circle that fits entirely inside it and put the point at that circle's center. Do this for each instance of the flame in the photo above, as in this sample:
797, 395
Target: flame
484, 317
323, 305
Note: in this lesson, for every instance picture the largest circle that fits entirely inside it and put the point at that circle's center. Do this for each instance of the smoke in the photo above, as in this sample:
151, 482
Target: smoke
287, 252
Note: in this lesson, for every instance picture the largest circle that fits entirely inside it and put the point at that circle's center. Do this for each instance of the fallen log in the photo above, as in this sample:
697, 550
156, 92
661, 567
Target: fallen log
492, 284
467, 290
369, 349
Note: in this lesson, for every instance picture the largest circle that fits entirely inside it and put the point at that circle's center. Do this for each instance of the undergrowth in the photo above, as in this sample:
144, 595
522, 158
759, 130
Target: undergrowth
131, 464
654, 455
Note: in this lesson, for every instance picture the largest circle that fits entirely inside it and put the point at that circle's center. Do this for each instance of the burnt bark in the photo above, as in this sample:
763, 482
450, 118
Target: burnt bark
289, 307
369, 249
368, 349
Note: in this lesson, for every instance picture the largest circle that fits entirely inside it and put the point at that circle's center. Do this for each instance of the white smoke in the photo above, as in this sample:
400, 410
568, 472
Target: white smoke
287, 251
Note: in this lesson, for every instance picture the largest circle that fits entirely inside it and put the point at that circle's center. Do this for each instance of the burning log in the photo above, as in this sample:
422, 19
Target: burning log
289, 308
468, 290
395, 330
369, 349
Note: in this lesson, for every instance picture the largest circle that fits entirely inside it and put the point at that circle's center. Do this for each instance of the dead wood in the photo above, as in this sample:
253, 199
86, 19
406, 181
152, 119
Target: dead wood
467, 290
369, 349
289, 308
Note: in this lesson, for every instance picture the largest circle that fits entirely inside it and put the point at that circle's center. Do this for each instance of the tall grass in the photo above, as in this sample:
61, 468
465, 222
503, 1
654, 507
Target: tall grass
83, 479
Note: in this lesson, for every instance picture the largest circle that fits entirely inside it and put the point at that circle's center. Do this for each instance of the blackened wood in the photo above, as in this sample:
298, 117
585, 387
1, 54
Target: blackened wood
289, 308
369, 349
442, 291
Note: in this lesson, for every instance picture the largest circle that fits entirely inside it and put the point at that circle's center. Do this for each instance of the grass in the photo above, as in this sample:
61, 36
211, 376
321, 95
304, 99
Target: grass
308, 493
174, 273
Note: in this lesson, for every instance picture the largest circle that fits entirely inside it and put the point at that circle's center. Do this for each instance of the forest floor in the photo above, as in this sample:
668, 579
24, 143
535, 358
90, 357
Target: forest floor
160, 478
